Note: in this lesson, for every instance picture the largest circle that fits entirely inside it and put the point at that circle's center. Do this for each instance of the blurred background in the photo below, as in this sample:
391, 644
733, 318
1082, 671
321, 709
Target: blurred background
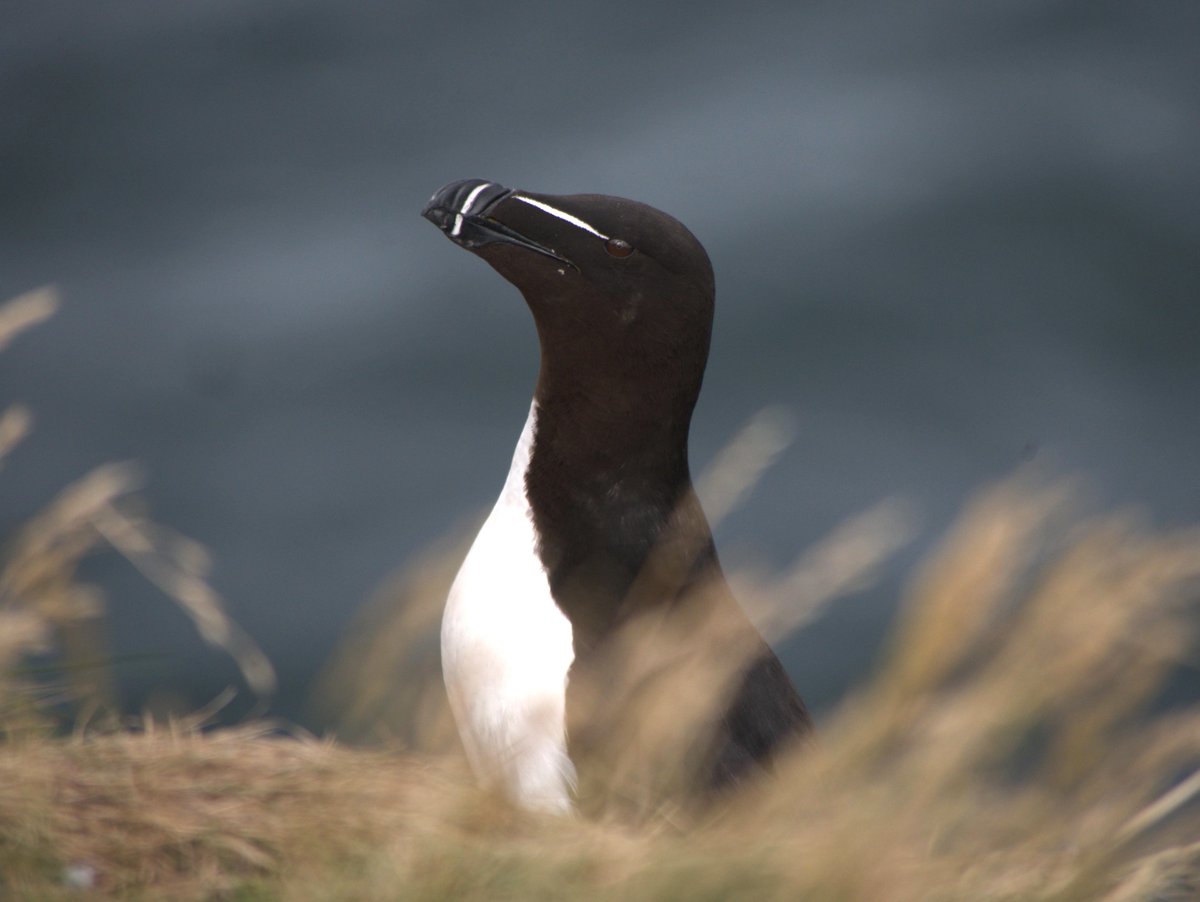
954, 240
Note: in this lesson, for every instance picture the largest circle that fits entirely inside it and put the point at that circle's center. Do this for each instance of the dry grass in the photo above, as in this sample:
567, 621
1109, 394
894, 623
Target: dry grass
44, 608
1009, 747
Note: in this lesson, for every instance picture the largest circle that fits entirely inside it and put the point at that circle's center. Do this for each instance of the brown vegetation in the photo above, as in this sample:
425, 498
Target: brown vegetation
1009, 747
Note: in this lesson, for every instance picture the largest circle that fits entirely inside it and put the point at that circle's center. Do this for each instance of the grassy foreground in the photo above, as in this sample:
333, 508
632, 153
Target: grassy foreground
1012, 745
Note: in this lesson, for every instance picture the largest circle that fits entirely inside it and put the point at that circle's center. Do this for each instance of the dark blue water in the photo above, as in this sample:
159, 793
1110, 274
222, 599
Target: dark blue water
951, 238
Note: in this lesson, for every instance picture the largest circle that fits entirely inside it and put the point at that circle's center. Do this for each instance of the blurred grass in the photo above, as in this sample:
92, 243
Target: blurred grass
45, 609
1012, 744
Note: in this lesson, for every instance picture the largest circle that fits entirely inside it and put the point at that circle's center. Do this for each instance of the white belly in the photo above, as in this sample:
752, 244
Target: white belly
506, 650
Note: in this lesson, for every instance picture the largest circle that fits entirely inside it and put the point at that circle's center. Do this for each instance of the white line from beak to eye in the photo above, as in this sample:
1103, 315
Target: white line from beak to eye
466, 207
565, 217
458, 221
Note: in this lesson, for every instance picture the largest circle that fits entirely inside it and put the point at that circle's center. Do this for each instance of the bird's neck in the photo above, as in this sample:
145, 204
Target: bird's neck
609, 493
612, 433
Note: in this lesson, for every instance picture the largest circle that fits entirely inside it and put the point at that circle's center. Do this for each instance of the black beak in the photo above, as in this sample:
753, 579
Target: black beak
461, 210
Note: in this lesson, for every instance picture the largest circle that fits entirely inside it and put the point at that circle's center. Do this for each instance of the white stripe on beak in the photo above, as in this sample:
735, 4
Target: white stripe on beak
466, 208
565, 217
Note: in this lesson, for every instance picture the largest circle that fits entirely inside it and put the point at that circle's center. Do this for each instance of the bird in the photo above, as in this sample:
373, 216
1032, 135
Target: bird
595, 573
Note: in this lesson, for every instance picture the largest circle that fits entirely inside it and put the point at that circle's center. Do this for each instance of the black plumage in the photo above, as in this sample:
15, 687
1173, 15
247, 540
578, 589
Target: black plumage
622, 296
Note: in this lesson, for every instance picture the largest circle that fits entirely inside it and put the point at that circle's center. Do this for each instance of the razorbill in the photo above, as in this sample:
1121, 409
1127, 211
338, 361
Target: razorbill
597, 525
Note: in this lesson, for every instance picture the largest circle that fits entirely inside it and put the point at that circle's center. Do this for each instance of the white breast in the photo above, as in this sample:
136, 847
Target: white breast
506, 650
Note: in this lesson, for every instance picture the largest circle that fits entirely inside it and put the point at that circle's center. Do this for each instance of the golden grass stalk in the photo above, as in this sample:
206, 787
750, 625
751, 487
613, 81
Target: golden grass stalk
44, 607
1016, 759
383, 681
25, 311
16, 316
14, 426
1011, 745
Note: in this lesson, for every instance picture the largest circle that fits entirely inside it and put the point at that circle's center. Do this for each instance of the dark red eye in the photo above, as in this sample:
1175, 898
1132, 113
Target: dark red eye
618, 248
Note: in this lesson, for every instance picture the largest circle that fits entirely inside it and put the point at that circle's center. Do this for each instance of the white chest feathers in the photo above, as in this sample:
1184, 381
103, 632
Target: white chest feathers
506, 650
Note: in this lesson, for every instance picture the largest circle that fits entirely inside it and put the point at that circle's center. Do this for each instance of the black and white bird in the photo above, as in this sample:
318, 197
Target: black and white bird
598, 523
